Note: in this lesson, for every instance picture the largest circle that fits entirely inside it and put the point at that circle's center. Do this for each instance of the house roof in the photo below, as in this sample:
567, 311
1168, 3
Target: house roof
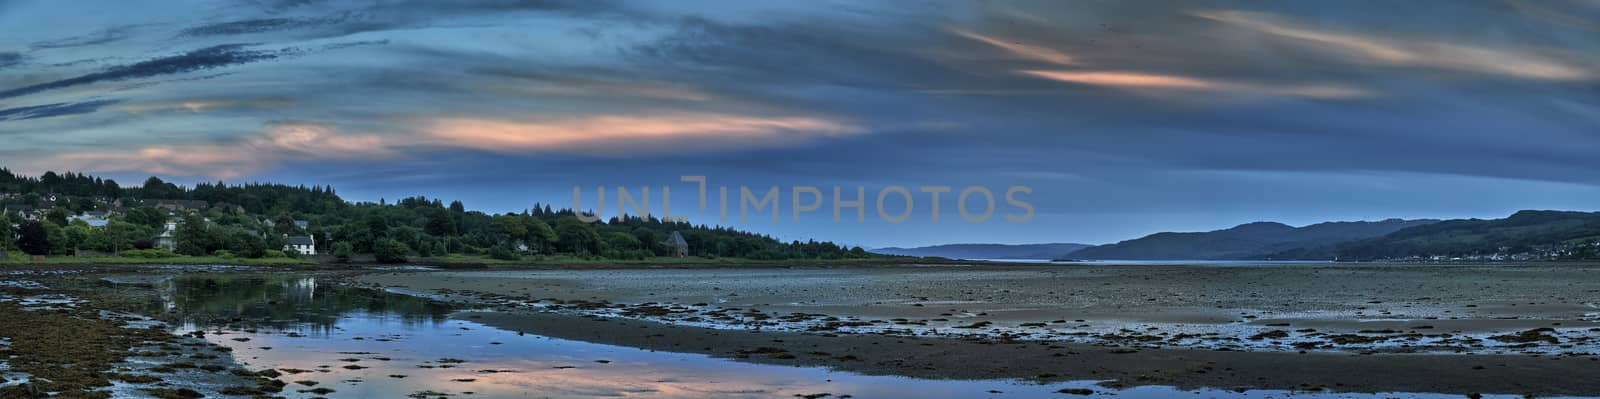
301, 240
677, 239
190, 204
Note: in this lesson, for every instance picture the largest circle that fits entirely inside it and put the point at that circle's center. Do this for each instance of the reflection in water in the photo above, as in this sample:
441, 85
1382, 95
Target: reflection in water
371, 344
280, 301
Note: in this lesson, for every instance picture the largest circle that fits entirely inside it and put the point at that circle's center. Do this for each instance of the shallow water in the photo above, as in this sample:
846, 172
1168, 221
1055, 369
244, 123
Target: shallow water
1175, 262
366, 343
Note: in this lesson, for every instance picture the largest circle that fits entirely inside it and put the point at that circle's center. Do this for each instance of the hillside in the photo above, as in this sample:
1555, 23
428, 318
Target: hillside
1523, 235
987, 251
1245, 241
53, 214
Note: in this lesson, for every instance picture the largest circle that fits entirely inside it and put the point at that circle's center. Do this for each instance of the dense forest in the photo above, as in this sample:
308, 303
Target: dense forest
253, 220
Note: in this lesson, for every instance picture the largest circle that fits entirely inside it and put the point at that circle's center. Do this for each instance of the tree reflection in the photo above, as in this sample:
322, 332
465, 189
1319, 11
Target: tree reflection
279, 301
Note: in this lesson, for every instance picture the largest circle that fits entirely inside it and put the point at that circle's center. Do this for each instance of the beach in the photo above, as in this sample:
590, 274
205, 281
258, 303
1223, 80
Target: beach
938, 330
1349, 327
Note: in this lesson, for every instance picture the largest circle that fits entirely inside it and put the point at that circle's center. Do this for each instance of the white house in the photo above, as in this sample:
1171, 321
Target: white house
165, 239
304, 245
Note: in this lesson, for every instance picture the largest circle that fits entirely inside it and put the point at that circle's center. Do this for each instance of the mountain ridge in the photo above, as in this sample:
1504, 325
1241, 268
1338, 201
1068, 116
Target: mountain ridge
1523, 235
1253, 240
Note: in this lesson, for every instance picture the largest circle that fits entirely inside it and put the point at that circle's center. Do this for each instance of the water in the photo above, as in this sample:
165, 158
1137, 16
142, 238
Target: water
365, 343
1176, 262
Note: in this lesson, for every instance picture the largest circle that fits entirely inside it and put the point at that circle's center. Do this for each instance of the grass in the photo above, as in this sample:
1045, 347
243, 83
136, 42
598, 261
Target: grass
573, 260
17, 258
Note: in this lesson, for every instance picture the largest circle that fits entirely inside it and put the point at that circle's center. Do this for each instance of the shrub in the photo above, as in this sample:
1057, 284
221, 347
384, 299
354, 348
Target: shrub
273, 253
222, 253
503, 252
153, 253
343, 251
390, 251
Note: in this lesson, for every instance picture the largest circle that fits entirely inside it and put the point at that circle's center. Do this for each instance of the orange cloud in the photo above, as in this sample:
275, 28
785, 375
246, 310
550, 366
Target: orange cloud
1412, 52
1024, 50
593, 135
1148, 82
1123, 79
313, 140
686, 129
1135, 80
279, 142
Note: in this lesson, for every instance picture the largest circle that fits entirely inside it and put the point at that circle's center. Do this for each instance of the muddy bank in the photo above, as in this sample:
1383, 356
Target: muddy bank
999, 359
63, 336
1486, 309
1508, 329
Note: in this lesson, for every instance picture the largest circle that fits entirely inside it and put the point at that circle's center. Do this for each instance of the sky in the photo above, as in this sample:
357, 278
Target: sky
1120, 118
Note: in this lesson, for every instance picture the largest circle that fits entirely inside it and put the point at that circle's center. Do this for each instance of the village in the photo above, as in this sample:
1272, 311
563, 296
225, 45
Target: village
83, 219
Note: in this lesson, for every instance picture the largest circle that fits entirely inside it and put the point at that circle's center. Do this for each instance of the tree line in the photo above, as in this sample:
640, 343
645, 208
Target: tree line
252, 220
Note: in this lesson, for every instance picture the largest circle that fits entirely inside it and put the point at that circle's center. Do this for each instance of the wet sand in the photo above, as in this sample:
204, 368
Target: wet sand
1511, 329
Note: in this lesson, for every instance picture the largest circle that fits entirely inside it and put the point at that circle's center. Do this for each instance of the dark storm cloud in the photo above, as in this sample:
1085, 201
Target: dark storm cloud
197, 60
50, 110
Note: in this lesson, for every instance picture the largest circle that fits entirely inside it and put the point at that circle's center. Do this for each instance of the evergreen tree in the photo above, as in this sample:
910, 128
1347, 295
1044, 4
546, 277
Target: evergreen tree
6, 232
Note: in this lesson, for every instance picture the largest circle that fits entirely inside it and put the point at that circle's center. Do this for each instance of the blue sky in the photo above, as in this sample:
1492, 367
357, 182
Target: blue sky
1124, 118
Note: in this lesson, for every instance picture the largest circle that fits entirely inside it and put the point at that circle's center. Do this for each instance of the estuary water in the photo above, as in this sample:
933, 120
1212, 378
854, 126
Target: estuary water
339, 342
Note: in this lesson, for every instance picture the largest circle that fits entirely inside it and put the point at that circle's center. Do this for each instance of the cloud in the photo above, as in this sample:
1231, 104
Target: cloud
51, 110
278, 142
1021, 49
249, 26
320, 141
1384, 50
1137, 81
571, 85
1144, 82
791, 52
204, 105
104, 36
613, 133
10, 59
201, 59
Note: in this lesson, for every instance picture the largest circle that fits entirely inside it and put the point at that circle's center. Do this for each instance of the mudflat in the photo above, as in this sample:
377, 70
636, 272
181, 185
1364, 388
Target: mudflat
1497, 328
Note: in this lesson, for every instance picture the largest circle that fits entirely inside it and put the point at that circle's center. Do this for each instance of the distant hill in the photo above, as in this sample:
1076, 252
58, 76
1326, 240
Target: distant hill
1522, 232
987, 251
1246, 241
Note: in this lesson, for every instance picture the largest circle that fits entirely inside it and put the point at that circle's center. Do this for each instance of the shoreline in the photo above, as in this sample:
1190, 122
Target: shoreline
647, 308
612, 307
939, 358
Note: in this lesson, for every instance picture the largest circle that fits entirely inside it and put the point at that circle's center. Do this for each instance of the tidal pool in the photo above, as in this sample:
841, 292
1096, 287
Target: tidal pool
339, 342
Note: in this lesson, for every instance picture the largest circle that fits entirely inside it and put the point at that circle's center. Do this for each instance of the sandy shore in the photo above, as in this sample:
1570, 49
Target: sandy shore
1415, 305
1515, 329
